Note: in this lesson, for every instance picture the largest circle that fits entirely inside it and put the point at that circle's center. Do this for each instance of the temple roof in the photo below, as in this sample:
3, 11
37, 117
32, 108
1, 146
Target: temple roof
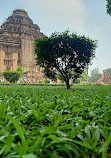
17, 24
21, 12
20, 22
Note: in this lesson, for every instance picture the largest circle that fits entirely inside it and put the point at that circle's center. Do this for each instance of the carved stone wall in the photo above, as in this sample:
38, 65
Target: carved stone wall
17, 36
105, 78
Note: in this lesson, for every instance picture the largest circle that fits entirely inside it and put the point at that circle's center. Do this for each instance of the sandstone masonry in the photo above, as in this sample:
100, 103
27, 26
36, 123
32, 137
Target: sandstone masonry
17, 36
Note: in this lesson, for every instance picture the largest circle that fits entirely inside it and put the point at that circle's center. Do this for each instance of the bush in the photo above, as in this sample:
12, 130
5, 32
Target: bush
62, 81
11, 76
76, 81
21, 81
40, 81
47, 81
20, 70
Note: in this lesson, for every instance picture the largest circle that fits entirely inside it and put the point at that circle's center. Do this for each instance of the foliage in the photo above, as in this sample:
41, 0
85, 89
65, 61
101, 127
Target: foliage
65, 54
40, 81
82, 78
60, 77
94, 75
107, 71
108, 7
53, 122
20, 70
46, 81
11, 76
76, 81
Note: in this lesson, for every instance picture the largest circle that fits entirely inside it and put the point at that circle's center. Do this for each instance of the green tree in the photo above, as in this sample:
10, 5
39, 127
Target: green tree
107, 71
20, 70
11, 76
108, 7
83, 76
94, 75
64, 53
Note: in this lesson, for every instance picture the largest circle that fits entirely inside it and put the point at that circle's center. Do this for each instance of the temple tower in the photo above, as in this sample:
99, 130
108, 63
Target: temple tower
17, 36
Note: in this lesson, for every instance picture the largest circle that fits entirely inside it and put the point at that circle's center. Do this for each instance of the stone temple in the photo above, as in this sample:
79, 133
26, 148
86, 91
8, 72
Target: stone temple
17, 36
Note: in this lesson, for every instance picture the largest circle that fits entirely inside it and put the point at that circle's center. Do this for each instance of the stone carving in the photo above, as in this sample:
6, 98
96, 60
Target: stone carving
17, 36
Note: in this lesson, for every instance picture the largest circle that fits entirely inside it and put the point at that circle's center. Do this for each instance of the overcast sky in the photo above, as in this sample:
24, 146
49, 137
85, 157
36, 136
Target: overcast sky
86, 17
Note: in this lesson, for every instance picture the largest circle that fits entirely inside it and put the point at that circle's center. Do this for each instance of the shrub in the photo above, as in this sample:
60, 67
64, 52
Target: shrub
40, 81
11, 76
62, 81
20, 70
21, 81
47, 81
76, 81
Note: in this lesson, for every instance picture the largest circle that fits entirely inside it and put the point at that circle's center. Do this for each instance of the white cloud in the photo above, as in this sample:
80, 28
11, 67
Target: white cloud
62, 13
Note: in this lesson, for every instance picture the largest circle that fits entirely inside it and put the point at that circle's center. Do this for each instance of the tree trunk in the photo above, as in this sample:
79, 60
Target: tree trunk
67, 84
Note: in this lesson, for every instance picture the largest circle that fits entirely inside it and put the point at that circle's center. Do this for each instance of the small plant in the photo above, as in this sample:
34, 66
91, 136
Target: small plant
47, 81
11, 76
76, 81
40, 82
21, 81
20, 70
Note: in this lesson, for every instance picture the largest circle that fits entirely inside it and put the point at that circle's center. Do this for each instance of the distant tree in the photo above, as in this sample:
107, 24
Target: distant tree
11, 76
107, 71
94, 75
83, 76
64, 53
108, 7
20, 70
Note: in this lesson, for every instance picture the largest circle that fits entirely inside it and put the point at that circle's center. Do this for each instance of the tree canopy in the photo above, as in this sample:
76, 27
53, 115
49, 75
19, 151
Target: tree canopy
64, 53
83, 76
94, 75
108, 7
107, 71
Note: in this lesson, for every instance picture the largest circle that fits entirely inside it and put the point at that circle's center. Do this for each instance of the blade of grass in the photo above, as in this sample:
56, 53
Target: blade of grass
107, 143
17, 127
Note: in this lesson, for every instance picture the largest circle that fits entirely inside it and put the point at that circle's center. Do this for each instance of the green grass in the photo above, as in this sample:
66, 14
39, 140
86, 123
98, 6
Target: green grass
51, 122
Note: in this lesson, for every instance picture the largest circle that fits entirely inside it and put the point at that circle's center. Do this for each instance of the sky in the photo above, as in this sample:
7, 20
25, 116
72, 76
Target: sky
85, 17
